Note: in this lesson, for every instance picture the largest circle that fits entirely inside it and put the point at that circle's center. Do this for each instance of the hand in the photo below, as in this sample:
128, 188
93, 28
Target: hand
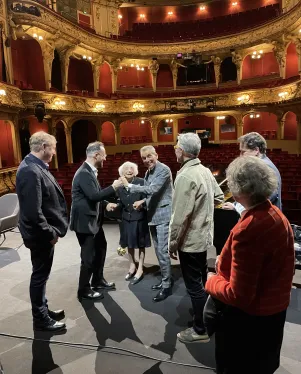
111, 207
216, 263
124, 181
116, 184
138, 204
173, 255
228, 206
210, 275
54, 241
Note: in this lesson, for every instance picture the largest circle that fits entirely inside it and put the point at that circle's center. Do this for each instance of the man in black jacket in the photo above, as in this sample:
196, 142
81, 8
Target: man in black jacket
43, 219
88, 201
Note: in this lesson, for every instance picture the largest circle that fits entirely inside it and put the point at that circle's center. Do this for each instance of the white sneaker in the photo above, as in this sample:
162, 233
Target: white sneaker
190, 336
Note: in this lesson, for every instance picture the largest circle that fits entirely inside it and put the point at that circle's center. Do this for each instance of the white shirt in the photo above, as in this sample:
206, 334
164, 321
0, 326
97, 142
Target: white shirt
95, 171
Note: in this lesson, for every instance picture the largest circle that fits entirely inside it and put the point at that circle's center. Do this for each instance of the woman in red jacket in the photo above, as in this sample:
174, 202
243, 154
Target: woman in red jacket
251, 290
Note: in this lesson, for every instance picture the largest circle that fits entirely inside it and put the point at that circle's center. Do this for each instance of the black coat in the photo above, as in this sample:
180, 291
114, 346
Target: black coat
127, 199
86, 210
43, 210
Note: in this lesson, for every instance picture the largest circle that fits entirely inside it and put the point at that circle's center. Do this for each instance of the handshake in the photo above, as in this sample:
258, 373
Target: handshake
122, 181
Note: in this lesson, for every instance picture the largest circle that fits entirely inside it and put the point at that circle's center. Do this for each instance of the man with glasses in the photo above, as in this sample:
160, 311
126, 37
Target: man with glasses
88, 200
191, 228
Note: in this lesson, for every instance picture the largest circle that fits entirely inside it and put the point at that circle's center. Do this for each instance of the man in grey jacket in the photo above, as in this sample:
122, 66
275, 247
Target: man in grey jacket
158, 189
191, 227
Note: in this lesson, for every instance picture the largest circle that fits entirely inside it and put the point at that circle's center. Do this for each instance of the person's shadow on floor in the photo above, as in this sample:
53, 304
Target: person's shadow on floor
154, 369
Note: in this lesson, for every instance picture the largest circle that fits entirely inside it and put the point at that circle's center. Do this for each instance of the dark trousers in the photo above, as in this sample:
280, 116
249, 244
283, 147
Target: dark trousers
93, 256
41, 259
194, 270
244, 343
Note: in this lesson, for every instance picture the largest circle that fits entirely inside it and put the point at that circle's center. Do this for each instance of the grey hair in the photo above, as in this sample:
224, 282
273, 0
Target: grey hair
128, 164
190, 143
254, 140
252, 177
148, 148
94, 147
38, 139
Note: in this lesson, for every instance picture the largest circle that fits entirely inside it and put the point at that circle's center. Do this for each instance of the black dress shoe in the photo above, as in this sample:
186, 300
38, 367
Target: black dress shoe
51, 325
162, 295
157, 287
92, 295
104, 285
137, 280
56, 314
129, 276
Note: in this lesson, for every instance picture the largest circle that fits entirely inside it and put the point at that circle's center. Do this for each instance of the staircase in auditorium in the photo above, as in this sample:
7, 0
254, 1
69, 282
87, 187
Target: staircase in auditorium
216, 158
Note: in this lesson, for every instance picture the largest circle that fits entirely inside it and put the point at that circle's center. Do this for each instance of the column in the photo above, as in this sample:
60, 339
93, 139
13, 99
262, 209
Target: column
68, 131
174, 67
65, 55
105, 16
216, 130
298, 48
175, 129
16, 140
280, 55
240, 129
299, 135
115, 65
217, 70
98, 131
96, 74
237, 60
48, 56
0, 161
154, 125
8, 29
154, 68
117, 132
52, 129
280, 129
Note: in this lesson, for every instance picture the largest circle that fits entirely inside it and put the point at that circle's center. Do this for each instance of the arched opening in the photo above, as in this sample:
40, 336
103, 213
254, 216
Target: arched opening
262, 122
135, 131
6, 144
24, 135
165, 130
228, 70
80, 77
83, 133
105, 81
131, 77
197, 123
195, 74
35, 126
28, 64
291, 69
290, 126
108, 133
56, 75
164, 77
256, 67
227, 128
61, 146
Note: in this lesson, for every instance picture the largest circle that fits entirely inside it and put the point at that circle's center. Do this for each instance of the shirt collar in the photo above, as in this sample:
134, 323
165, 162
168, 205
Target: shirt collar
38, 161
95, 171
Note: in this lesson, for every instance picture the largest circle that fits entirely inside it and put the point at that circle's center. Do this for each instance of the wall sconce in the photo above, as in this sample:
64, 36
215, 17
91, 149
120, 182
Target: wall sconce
100, 107
220, 117
142, 122
169, 120
202, 8
60, 103
283, 95
87, 57
119, 16
142, 16
235, 3
256, 54
254, 116
138, 106
36, 36
170, 13
2, 92
243, 98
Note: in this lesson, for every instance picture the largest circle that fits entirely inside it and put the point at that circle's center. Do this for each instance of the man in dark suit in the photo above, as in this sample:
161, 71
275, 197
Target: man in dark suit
88, 201
43, 219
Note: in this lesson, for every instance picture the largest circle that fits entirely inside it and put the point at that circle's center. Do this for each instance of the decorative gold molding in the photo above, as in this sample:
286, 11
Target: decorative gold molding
12, 97
87, 106
52, 22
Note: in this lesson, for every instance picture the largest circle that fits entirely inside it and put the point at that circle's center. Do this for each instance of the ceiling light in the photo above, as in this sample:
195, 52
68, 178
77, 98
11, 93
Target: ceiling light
254, 53
261, 51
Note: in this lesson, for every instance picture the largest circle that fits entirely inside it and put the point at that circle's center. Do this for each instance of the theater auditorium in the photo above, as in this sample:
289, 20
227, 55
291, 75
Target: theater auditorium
130, 74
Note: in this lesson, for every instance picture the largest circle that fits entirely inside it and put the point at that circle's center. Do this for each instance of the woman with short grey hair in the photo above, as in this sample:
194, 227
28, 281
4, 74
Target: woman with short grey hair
251, 291
134, 231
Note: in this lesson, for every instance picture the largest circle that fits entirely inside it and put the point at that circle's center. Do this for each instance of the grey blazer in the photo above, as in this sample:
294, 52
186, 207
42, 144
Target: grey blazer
86, 210
158, 189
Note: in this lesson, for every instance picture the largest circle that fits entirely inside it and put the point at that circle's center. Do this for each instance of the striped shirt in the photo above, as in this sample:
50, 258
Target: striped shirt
256, 266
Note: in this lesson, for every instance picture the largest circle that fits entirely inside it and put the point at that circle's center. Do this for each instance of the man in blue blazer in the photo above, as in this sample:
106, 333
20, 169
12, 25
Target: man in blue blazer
43, 220
158, 189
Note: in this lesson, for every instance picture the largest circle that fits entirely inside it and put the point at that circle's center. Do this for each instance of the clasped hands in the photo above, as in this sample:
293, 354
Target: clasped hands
122, 181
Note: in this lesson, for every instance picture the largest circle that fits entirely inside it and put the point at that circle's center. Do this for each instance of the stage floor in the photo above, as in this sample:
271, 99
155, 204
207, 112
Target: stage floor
126, 318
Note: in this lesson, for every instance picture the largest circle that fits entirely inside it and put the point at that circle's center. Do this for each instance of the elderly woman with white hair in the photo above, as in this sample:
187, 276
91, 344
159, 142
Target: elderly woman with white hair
134, 231
251, 290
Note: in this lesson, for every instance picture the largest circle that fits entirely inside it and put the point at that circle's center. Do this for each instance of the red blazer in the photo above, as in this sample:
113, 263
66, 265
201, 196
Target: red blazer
256, 266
